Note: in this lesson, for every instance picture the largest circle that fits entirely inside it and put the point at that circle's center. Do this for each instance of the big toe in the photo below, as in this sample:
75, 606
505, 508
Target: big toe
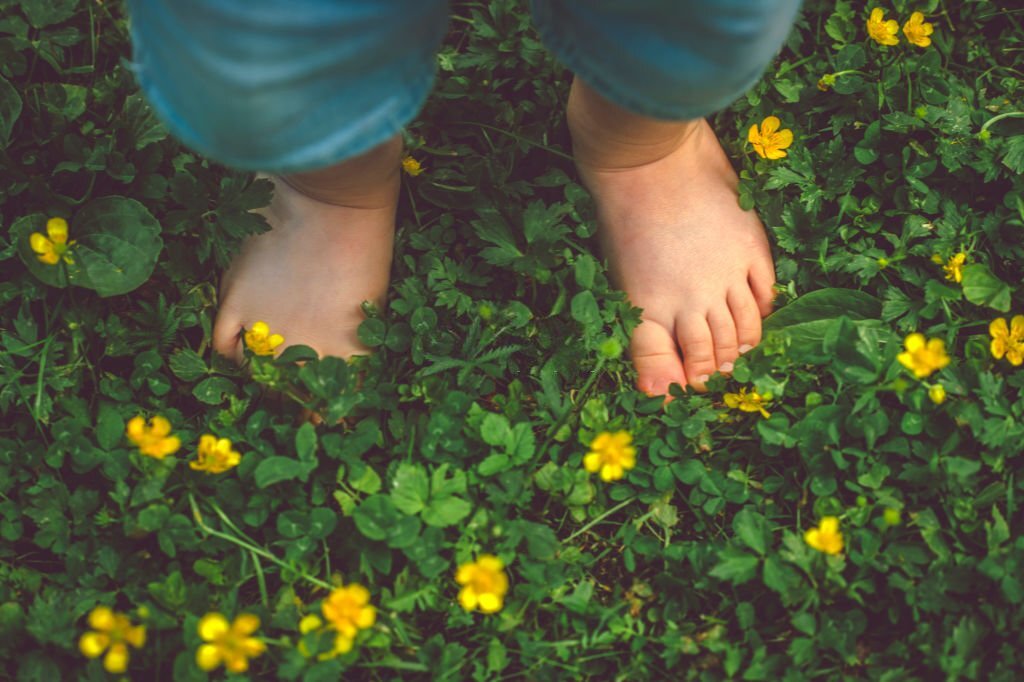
656, 359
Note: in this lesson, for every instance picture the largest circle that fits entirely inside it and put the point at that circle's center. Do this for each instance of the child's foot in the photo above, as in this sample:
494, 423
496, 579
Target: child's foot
680, 246
308, 275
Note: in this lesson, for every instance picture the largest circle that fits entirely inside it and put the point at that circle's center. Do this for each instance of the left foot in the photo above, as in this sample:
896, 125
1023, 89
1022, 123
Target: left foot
679, 245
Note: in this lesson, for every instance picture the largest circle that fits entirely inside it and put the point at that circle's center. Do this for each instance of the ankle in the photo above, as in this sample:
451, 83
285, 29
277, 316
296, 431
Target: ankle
370, 180
607, 137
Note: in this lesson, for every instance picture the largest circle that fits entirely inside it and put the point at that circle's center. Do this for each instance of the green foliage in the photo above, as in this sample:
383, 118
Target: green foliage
499, 358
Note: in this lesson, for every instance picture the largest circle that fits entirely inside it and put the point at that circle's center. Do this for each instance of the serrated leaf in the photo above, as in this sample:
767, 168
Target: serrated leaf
981, 287
187, 365
277, 469
410, 488
10, 110
736, 567
446, 511
752, 529
213, 390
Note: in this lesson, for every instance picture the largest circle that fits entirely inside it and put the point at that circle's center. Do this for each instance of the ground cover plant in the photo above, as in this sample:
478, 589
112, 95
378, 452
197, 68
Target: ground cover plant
487, 497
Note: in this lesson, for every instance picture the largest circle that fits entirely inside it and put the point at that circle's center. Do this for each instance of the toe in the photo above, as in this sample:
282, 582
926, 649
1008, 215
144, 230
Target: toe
746, 315
227, 336
654, 355
723, 333
762, 282
696, 342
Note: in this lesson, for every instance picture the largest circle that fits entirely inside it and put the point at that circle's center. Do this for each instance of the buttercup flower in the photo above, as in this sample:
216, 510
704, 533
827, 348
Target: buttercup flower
215, 455
348, 610
111, 632
611, 454
53, 246
260, 341
153, 439
230, 644
1008, 340
881, 31
937, 393
411, 166
769, 141
484, 584
826, 537
922, 357
748, 402
954, 267
917, 30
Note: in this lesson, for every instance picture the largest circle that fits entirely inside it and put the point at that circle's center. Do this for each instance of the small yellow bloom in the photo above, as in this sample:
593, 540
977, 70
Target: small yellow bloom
484, 584
215, 455
411, 166
883, 32
922, 357
348, 610
748, 402
769, 141
153, 439
1008, 340
826, 537
954, 267
917, 30
230, 644
111, 632
611, 454
937, 393
260, 341
309, 623
52, 248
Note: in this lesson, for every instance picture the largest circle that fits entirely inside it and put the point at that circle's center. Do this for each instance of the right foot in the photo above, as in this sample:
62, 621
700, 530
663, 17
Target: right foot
308, 276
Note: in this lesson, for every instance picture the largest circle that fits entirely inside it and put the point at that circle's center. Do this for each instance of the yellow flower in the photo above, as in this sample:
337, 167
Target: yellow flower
1008, 340
826, 537
52, 248
748, 402
155, 439
260, 341
923, 357
917, 30
484, 584
769, 141
348, 610
411, 166
611, 454
883, 32
111, 632
954, 267
231, 644
215, 455
937, 393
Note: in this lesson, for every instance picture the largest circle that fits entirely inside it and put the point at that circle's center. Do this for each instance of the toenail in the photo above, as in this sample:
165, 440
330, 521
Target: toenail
745, 347
703, 378
725, 368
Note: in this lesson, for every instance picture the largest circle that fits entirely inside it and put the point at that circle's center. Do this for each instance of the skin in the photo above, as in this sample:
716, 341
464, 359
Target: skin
670, 226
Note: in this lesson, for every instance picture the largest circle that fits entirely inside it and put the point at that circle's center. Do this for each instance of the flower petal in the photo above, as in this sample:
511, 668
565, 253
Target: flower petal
208, 657
92, 644
213, 626
102, 618
246, 624
116, 660
769, 125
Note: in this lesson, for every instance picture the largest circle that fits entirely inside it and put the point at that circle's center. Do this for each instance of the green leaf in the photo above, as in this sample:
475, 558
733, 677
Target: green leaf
305, 443
43, 13
276, 469
736, 567
144, 127
585, 310
187, 365
825, 304
752, 529
446, 511
495, 429
372, 332
375, 516
118, 244
493, 464
10, 110
109, 427
212, 390
410, 488
981, 287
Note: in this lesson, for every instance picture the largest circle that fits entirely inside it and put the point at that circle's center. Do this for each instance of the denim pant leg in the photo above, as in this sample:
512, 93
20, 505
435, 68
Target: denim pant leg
668, 59
285, 85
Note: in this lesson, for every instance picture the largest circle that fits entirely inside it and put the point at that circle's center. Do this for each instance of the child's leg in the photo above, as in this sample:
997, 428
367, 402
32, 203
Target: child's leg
313, 92
666, 194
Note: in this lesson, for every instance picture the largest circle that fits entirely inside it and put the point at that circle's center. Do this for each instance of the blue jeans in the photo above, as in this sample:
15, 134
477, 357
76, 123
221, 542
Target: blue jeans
293, 85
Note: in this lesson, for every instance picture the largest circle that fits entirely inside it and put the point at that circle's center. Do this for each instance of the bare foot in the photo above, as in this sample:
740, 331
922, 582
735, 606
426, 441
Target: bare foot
308, 275
682, 249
